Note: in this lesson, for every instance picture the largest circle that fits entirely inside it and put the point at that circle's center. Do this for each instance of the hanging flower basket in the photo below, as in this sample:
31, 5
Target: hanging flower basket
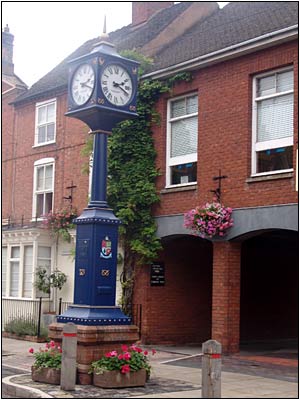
60, 222
212, 219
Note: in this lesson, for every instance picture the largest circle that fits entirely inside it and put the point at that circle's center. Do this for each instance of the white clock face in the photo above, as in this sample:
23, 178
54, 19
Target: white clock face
116, 85
83, 84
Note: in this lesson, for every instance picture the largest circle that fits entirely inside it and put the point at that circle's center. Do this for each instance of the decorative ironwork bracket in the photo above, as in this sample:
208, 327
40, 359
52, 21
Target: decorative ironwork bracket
217, 192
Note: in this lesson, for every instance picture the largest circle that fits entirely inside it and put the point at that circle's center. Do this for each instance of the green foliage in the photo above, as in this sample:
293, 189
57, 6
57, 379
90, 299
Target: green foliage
50, 357
22, 327
145, 62
45, 282
86, 152
132, 175
60, 222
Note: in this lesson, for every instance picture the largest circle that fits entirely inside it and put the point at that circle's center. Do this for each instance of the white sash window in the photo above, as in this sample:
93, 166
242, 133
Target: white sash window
182, 141
273, 129
43, 187
45, 122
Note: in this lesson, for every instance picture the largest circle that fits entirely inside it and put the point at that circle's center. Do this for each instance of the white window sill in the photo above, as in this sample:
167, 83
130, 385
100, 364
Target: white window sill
43, 144
179, 188
37, 219
17, 298
268, 177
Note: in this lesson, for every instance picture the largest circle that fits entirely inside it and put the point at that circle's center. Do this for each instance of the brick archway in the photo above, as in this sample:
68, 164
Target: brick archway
269, 287
180, 311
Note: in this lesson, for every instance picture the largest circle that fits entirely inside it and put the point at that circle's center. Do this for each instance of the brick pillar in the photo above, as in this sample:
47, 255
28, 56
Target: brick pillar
226, 295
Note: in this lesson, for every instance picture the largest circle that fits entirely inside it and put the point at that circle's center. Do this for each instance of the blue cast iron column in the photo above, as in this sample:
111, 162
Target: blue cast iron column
99, 172
96, 253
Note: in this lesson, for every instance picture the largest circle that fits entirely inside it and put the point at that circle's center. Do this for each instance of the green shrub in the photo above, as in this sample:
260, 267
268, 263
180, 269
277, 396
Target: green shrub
21, 327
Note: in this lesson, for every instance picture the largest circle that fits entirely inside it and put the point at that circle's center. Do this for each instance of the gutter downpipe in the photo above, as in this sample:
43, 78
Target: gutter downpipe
282, 34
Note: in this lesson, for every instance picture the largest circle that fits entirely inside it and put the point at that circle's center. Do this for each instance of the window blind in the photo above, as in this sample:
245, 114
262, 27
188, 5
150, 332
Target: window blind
184, 137
14, 278
28, 270
4, 270
275, 118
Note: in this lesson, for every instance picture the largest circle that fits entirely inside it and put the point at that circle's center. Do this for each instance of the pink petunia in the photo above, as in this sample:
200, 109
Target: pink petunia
145, 353
124, 347
138, 350
31, 350
127, 356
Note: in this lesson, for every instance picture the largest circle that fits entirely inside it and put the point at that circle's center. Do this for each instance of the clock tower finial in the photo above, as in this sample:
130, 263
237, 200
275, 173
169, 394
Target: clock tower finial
104, 45
104, 35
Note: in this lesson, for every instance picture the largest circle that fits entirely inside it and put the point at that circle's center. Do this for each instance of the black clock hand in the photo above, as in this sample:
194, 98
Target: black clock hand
127, 94
85, 85
115, 84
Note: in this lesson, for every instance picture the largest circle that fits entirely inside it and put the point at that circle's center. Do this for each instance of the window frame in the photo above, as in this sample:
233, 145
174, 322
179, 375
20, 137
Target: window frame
21, 259
37, 125
190, 158
269, 144
44, 162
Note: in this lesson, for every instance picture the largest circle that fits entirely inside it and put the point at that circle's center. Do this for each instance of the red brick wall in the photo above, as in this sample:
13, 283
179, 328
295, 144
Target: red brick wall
226, 295
180, 311
8, 140
70, 139
142, 10
224, 140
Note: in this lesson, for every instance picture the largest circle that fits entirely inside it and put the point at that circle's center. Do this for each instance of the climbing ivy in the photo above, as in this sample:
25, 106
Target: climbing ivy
131, 177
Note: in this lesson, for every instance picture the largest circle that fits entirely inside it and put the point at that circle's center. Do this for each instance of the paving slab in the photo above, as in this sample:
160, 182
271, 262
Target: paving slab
174, 375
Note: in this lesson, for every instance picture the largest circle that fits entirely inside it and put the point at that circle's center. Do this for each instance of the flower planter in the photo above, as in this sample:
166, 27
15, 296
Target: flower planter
46, 375
115, 379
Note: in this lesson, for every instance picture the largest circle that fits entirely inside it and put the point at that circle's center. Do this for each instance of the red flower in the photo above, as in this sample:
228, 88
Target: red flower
125, 369
145, 353
120, 356
127, 356
31, 350
124, 347
153, 352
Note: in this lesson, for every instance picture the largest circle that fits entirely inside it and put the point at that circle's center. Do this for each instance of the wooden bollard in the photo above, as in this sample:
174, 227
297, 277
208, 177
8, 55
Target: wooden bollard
68, 362
211, 369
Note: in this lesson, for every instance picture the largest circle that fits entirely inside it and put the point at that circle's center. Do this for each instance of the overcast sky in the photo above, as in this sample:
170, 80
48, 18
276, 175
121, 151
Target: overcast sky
47, 32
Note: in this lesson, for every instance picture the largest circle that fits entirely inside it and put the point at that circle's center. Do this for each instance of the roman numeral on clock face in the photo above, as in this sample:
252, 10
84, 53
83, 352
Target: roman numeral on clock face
116, 85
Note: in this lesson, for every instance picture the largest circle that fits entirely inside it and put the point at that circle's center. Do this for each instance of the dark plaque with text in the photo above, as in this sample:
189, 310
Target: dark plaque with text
157, 274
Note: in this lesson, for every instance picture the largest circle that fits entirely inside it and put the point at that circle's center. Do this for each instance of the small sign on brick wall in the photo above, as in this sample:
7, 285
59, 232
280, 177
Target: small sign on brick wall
157, 274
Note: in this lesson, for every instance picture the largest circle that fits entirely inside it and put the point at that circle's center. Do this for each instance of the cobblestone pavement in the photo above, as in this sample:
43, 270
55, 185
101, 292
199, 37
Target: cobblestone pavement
154, 386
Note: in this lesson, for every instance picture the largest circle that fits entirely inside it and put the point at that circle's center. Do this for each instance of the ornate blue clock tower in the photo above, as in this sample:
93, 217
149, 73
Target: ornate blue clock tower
102, 91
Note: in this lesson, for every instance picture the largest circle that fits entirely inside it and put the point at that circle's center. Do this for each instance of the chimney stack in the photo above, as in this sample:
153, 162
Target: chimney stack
143, 10
7, 52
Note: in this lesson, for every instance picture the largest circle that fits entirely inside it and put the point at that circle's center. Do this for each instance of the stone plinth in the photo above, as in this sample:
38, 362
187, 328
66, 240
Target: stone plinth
93, 342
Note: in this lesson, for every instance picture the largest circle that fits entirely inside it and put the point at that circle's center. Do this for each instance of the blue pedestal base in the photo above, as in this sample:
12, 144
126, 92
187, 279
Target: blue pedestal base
89, 315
